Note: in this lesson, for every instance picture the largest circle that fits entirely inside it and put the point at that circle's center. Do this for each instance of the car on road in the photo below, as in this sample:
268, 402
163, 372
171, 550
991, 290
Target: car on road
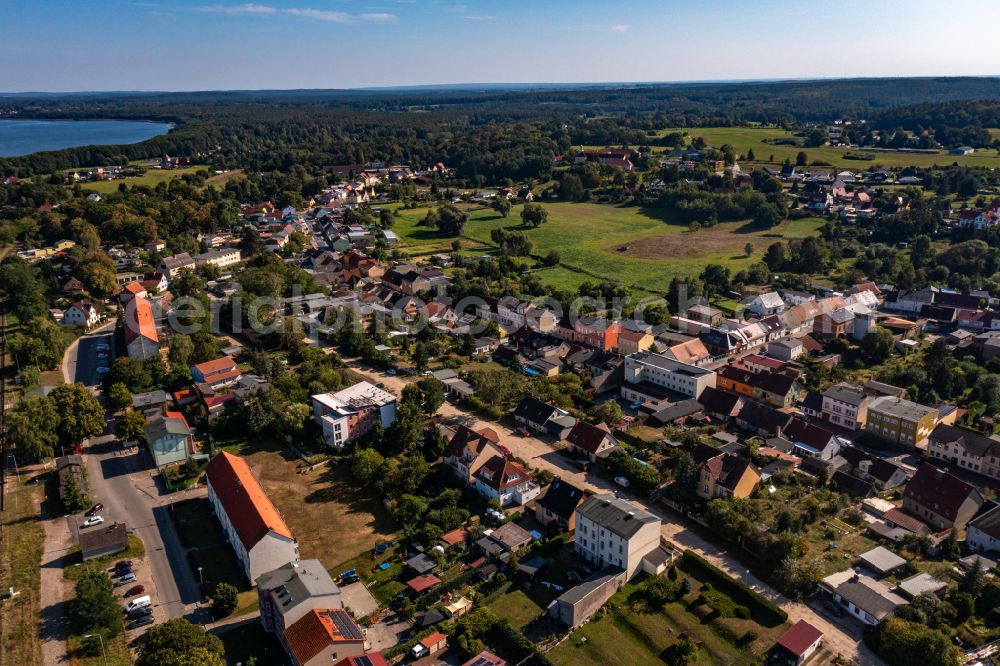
126, 579
621, 481
134, 590
141, 622
93, 520
94, 509
504, 450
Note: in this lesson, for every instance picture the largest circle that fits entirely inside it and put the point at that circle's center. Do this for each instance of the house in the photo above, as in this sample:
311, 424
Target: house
593, 332
965, 449
865, 598
727, 475
220, 258
611, 531
811, 440
169, 438
799, 642
350, 413
556, 508
286, 594
252, 524
103, 540
706, 314
590, 441
881, 561
141, 338
216, 373
543, 417
845, 405
83, 313
720, 404
676, 412
322, 637
692, 352
631, 341
578, 604
883, 474
646, 375
172, 266
774, 388
833, 324
422, 582
922, 583
940, 499
763, 419
506, 482
901, 421
468, 450
768, 303
983, 532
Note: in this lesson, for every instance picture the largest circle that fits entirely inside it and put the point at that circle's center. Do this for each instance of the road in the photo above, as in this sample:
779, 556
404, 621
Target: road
80, 360
125, 484
842, 637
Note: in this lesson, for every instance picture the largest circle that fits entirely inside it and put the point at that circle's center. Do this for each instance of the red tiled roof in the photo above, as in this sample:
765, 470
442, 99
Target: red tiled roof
307, 637
433, 639
938, 491
424, 582
587, 437
135, 288
907, 522
453, 537
248, 507
800, 638
218, 365
500, 473
139, 322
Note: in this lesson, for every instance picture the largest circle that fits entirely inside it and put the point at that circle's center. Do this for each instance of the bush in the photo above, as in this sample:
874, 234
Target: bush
712, 575
224, 599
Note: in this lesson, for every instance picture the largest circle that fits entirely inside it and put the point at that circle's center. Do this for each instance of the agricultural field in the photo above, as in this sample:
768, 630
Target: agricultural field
151, 178
761, 141
637, 247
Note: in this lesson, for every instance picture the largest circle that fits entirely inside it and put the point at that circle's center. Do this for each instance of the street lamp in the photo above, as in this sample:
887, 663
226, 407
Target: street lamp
200, 579
101, 639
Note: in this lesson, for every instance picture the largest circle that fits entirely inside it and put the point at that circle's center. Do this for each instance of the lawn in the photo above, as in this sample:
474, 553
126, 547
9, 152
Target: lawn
745, 138
20, 559
517, 607
332, 518
152, 177
250, 640
202, 536
635, 246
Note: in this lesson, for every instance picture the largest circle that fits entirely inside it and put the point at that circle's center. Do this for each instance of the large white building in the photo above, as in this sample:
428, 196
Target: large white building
221, 258
350, 413
613, 532
252, 524
646, 371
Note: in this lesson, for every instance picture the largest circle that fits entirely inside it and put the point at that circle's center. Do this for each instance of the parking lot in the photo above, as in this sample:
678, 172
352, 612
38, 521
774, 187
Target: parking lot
94, 355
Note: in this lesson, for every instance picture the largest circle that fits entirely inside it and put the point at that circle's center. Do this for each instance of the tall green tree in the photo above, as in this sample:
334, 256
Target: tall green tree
177, 642
95, 607
131, 426
501, 204
533, 215
119, 396
33, 426
79, 413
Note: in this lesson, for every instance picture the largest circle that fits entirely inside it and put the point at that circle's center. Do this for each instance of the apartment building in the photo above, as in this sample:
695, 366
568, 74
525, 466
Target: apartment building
901, 421
966, 449
846, 406
646, 374
614, 532
220, 258
350, 413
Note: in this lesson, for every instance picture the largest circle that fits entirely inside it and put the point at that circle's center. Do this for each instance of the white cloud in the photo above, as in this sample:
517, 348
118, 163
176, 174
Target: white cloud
621, 27
320, 15
247, 8
382, 17
479, 18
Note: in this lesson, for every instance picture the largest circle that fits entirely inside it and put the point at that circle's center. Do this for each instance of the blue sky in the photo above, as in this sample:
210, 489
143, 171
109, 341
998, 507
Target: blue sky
68, 45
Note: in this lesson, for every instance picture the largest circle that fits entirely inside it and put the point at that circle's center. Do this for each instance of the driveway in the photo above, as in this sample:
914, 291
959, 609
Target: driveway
81, 361
839, 638
123, 481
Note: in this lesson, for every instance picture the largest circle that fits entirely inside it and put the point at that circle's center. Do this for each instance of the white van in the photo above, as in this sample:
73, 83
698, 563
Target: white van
137, 603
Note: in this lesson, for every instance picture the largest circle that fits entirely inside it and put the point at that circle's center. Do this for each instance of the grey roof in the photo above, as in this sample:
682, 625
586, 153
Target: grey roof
616, 515
973, 442
987, 522
103, 537
295, 582
881, 560
846, 393
875, 603
161, 426
900, 408
669, 364
150, 399
511, 535
881, 388
421, 563
591, 584
921, 583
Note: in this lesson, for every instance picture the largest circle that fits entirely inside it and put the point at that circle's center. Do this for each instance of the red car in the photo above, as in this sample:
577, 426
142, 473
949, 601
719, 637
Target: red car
523, 432
121, 564
134, 590
505, 450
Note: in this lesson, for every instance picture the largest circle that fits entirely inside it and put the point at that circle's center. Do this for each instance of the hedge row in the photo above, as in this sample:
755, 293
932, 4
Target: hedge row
758, 604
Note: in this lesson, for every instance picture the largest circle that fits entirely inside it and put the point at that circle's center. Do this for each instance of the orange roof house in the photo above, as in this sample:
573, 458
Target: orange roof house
141, 338
254, 526
216, 373
323, 637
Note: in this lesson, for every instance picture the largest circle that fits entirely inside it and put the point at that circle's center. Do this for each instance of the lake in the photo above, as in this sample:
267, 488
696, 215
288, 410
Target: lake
23, 137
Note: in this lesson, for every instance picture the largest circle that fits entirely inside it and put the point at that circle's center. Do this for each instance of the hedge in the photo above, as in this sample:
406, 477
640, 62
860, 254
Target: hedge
758, 604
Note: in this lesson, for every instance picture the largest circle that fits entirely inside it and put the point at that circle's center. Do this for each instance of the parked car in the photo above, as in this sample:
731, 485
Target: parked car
621, 481
93, 520
140, 612
126, 579
139, 602
391, 372
134, 590
121, 564
94, 509
833, 607
505, 450
103, 346
523, 432
141, 622
124, 571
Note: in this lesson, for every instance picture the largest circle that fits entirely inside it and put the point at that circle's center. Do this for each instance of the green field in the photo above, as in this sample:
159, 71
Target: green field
634, 246
745, 138
150, 178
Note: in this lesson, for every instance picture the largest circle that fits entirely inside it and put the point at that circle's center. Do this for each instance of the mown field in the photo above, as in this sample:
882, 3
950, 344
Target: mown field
151, 178
743, 139
637, 247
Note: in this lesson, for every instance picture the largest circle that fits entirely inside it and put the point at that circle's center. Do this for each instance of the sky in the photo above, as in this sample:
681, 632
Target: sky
77, 45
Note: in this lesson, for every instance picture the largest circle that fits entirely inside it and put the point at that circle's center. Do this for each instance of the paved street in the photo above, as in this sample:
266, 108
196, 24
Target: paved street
127, 488
82, 358
842, 637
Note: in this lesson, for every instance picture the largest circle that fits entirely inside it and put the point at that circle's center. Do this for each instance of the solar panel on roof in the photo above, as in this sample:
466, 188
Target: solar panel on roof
363, 660
346, 627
